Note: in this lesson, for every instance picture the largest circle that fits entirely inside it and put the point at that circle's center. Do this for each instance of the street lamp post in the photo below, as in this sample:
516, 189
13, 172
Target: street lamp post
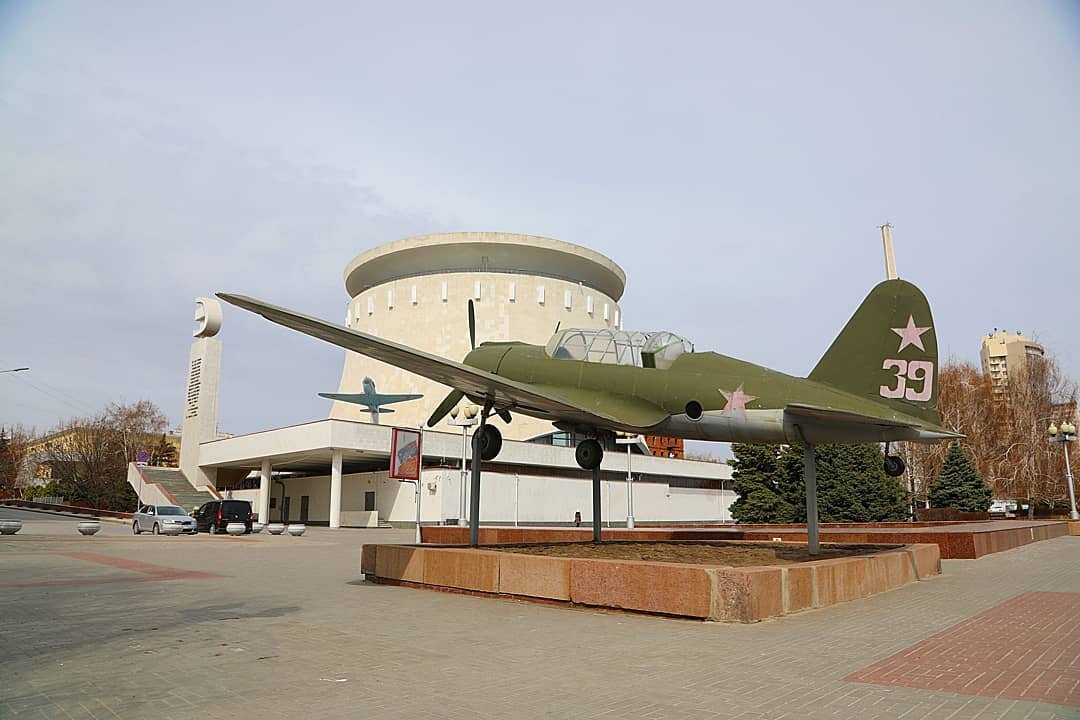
629, 441
465, 417
1065, 434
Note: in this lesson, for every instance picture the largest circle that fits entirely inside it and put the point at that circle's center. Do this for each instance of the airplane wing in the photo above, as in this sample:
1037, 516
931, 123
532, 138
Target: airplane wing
365, 399
814, 412
390, 398
564, 404
355, 398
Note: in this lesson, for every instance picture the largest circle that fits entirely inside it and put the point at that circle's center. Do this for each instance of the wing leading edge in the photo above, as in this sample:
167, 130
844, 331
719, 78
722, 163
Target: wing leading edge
568, 405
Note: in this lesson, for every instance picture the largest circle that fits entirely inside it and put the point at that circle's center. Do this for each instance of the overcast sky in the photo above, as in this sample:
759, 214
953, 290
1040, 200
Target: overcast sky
734, 158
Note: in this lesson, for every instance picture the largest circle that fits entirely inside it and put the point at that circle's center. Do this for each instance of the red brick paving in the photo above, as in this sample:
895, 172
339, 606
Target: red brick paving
1026, 648
140, 567
149, 571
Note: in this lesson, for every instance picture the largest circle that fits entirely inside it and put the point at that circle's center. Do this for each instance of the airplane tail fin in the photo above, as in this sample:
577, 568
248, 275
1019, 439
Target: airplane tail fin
887, 351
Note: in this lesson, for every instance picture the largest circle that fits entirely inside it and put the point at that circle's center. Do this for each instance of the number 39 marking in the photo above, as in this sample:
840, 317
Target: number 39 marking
920, 371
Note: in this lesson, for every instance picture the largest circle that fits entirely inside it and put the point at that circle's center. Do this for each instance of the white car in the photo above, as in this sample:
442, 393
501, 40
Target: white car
162, 519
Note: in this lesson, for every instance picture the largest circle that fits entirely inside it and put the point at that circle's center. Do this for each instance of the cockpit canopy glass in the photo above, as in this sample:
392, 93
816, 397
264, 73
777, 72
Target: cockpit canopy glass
618, 347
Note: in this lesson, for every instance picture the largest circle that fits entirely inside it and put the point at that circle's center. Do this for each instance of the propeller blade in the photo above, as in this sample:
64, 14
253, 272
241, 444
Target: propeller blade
445, 407
472, 325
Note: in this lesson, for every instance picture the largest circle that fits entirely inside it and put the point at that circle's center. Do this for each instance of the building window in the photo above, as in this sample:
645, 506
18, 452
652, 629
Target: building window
371, 306
540, 294
606, 311
444, 293
568, 299
476, 290
512, 294
617, 318
369, 501
414, 301
588, 305
389, 299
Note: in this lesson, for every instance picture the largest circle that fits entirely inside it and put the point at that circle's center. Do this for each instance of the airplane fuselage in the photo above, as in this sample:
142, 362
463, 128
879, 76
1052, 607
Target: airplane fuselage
707, 396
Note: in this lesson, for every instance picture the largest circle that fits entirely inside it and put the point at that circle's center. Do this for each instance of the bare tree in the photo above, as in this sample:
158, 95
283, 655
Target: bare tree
1005, 429
14, 449
1028, 466
88, 457
965, 403
138, 425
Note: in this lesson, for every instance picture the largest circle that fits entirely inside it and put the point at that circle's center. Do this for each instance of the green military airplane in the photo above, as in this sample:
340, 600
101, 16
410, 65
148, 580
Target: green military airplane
877, 382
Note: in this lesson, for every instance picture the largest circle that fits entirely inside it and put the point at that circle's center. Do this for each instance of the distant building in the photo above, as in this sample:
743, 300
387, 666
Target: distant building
664, 446
417, 291
42, 453
1003, 352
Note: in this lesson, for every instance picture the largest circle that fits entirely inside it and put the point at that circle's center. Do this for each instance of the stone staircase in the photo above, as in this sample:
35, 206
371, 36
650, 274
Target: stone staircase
173, 482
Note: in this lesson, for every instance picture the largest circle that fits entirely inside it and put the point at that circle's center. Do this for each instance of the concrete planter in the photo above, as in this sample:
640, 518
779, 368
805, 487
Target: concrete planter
89, 527
10, 527
236, 528
275, 528
256, 528
728, 594
297, 529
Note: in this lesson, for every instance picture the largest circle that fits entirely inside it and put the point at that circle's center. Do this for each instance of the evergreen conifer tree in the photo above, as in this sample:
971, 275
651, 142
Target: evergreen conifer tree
959, 485
851, 483
757, 481
163, 453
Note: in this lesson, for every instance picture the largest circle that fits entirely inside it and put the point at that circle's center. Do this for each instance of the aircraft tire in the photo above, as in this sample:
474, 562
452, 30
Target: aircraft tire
589, 454
894, 465
490, 442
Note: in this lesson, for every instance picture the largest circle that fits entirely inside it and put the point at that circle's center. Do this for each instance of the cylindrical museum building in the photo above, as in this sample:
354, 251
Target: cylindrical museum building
416, 291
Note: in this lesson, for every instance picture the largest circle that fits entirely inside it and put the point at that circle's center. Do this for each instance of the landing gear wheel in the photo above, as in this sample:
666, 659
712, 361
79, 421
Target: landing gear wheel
589, 454
135, 528
894, 465
156, 530
490, 442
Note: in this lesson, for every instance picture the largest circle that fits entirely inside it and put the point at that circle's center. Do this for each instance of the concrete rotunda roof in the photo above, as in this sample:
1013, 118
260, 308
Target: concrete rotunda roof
460, 252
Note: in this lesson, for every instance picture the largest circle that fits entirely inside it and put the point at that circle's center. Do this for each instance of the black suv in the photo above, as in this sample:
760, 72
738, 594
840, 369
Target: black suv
213, 517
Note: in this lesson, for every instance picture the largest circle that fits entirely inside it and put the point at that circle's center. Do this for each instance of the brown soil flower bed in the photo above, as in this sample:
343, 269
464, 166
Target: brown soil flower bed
719, 554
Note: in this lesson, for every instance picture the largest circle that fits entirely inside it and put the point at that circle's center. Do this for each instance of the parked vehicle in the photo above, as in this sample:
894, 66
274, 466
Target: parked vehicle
214, 516
162, 519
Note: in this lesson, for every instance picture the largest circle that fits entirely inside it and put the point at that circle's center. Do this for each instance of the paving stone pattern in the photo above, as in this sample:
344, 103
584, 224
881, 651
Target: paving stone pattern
1026, 648
291, 630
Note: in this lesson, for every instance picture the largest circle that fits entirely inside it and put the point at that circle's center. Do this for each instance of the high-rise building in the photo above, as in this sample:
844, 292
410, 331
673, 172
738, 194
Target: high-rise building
1003, 352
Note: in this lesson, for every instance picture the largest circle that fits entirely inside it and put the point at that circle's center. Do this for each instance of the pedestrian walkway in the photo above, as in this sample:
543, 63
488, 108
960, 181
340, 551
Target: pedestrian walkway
291, 630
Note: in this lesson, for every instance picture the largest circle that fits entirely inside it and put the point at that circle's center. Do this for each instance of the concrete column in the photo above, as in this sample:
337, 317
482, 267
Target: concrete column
335, 490
264, 492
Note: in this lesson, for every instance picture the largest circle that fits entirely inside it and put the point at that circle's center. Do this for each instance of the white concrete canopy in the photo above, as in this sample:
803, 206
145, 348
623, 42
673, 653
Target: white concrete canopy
365, 446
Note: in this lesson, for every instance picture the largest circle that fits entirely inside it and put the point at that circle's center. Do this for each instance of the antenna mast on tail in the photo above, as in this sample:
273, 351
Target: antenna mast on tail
890, 259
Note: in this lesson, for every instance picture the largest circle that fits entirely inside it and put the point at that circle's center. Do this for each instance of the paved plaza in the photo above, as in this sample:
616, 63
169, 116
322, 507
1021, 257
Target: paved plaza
282, 627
